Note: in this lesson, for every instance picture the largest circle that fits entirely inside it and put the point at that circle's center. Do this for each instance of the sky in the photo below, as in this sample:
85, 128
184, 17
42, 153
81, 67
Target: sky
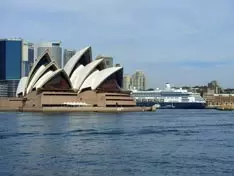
184, 42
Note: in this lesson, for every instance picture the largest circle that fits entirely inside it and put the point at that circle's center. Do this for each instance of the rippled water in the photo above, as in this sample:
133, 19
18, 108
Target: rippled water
166, 142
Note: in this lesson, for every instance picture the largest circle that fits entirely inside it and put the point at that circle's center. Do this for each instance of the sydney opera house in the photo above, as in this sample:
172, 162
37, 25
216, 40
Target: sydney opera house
82, 85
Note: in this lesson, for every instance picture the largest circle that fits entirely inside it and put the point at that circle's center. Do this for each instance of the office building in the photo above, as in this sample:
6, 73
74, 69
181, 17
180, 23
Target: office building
10, 59
10, 66
3, 88
138, 80
8, 88
127, 82
108, 61
54, 49
27, 58
67, 54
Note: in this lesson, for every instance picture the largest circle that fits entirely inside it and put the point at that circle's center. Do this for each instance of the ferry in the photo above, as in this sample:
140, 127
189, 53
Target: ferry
169, 98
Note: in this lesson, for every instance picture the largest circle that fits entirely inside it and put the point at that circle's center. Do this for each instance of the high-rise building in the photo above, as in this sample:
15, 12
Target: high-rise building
108, 61
54, 49
10, 66
10, 58
27, 58
127, 82
138, 80
67, 54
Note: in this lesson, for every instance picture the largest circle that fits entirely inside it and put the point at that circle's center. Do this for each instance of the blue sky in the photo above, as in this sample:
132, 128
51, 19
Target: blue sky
184, 42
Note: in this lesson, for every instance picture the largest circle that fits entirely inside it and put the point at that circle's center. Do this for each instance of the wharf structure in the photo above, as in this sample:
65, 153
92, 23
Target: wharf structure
219, 100
82, 85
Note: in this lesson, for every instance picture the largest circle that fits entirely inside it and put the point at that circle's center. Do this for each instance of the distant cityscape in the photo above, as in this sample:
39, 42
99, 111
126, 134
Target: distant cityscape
138, 81
17, 57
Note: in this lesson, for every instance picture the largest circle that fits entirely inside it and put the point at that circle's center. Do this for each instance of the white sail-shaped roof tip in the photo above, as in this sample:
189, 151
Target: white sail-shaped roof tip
36, 65
43, 79
89, 81
21, 86
103, 75
84, 73
76, 74
39, 74
35, 77
74, 59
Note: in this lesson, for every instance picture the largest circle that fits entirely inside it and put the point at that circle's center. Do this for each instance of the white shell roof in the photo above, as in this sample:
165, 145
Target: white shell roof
38, 74
48, 76
89, 81
80, 78
75, 75
21, 86
43, 79
35, 78
35, 65
74, 59
103, 75
98, 77
82, 74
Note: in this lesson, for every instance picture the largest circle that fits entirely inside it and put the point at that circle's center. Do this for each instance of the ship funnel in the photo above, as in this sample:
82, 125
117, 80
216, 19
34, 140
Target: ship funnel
168, 86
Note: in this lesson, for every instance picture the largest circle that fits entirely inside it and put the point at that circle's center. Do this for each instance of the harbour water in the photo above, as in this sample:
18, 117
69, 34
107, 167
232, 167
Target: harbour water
165, 142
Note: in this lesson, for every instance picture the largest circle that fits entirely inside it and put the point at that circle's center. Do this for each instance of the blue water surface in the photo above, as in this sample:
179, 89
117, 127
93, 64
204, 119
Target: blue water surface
165, 142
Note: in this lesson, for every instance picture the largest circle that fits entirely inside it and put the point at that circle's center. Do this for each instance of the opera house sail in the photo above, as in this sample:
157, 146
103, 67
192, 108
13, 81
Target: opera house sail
83, 85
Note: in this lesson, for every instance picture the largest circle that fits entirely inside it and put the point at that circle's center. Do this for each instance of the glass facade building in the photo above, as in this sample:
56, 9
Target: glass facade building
8, 88
16, 60
10, 59
3, 88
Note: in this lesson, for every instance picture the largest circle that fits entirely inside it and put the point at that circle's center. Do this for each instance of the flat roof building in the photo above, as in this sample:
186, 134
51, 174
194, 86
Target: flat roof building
138, 80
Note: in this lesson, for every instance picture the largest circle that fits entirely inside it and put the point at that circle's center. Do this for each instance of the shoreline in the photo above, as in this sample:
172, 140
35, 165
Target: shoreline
79, 109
